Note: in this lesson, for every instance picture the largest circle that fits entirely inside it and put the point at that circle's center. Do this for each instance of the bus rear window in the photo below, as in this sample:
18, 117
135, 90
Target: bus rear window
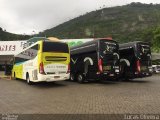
109, 47
145, 49
55, 47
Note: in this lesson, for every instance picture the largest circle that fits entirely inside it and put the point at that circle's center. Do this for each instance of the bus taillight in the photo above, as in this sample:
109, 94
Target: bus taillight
68, 71
100, 65
41, 68
138, 66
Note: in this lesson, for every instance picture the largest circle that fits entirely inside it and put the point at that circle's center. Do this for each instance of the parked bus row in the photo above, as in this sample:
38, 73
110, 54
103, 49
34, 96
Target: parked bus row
104, 59
98, 59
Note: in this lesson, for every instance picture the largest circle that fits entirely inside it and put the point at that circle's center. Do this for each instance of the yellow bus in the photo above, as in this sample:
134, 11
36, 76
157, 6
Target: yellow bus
44, 60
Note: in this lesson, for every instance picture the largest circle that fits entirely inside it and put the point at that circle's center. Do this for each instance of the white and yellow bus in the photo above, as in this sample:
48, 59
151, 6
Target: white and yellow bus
43, 61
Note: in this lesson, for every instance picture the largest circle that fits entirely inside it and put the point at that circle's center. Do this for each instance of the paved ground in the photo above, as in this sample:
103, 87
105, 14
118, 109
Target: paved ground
140, 96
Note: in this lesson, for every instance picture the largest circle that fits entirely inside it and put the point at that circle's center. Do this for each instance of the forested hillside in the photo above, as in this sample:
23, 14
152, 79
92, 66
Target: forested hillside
132, 22
135, 21
6, 36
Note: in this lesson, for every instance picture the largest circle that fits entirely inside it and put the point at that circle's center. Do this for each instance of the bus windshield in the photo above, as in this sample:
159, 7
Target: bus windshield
55, 47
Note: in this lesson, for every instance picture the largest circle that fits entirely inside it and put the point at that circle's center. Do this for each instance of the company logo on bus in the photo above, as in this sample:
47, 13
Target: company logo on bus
50, 66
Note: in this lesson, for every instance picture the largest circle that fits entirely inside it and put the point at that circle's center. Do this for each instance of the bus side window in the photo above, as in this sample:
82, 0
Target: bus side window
18, 60
35, 47
33, 51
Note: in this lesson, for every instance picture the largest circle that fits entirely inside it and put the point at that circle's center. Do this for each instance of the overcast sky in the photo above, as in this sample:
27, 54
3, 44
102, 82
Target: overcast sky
26, 16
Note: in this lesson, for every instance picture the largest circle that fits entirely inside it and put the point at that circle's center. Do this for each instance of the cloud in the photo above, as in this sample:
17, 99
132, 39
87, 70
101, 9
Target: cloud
24, 16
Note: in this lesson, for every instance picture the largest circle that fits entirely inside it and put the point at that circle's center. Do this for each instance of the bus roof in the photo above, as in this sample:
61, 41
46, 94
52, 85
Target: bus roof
131, 44
88, 46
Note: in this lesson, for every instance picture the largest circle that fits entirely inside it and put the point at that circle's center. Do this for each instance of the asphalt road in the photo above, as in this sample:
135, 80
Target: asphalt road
139, 96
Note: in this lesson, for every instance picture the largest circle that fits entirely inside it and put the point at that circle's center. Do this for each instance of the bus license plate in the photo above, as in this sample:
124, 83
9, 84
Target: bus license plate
143, 68
111, 75
107, 68
56, 76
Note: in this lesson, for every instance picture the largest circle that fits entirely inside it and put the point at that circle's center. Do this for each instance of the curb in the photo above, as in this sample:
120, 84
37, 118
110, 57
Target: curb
6, 77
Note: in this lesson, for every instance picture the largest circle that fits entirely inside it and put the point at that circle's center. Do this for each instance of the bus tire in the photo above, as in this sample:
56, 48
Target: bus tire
80, 78
72, 77
126, 78
123, 72
28, 79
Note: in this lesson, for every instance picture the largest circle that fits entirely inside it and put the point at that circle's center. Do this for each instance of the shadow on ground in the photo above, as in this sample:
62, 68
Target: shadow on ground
44, 84
49, 84
136, 81
95, 82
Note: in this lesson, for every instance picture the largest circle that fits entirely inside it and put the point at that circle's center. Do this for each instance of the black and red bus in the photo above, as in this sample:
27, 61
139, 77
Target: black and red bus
135, 60
95, 60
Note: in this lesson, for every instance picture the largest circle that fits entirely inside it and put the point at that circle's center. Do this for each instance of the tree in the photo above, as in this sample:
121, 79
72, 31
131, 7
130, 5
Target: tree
156, 39
1, 29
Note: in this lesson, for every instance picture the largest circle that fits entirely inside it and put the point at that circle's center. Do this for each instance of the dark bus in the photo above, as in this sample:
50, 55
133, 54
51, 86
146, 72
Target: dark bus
135, 60
95, 60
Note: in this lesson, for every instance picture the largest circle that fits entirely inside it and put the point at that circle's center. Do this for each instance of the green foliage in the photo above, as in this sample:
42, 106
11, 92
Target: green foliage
1, 29
132, 22
156, 40
6, 36
156, 62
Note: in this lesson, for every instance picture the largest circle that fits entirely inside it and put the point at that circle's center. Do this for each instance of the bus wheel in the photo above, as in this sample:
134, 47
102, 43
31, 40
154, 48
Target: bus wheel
125, 74
72, 77
80, 78
28, 79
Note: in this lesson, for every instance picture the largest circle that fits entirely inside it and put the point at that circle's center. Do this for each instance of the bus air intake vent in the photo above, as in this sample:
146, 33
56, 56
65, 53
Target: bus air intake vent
51, 73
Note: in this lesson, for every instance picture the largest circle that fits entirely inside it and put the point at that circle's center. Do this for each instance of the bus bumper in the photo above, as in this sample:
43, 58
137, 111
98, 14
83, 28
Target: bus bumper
143, 74
109, 76
51, 78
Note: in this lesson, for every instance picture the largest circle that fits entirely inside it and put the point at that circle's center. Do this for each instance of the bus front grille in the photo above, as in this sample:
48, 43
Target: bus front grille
55, 58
